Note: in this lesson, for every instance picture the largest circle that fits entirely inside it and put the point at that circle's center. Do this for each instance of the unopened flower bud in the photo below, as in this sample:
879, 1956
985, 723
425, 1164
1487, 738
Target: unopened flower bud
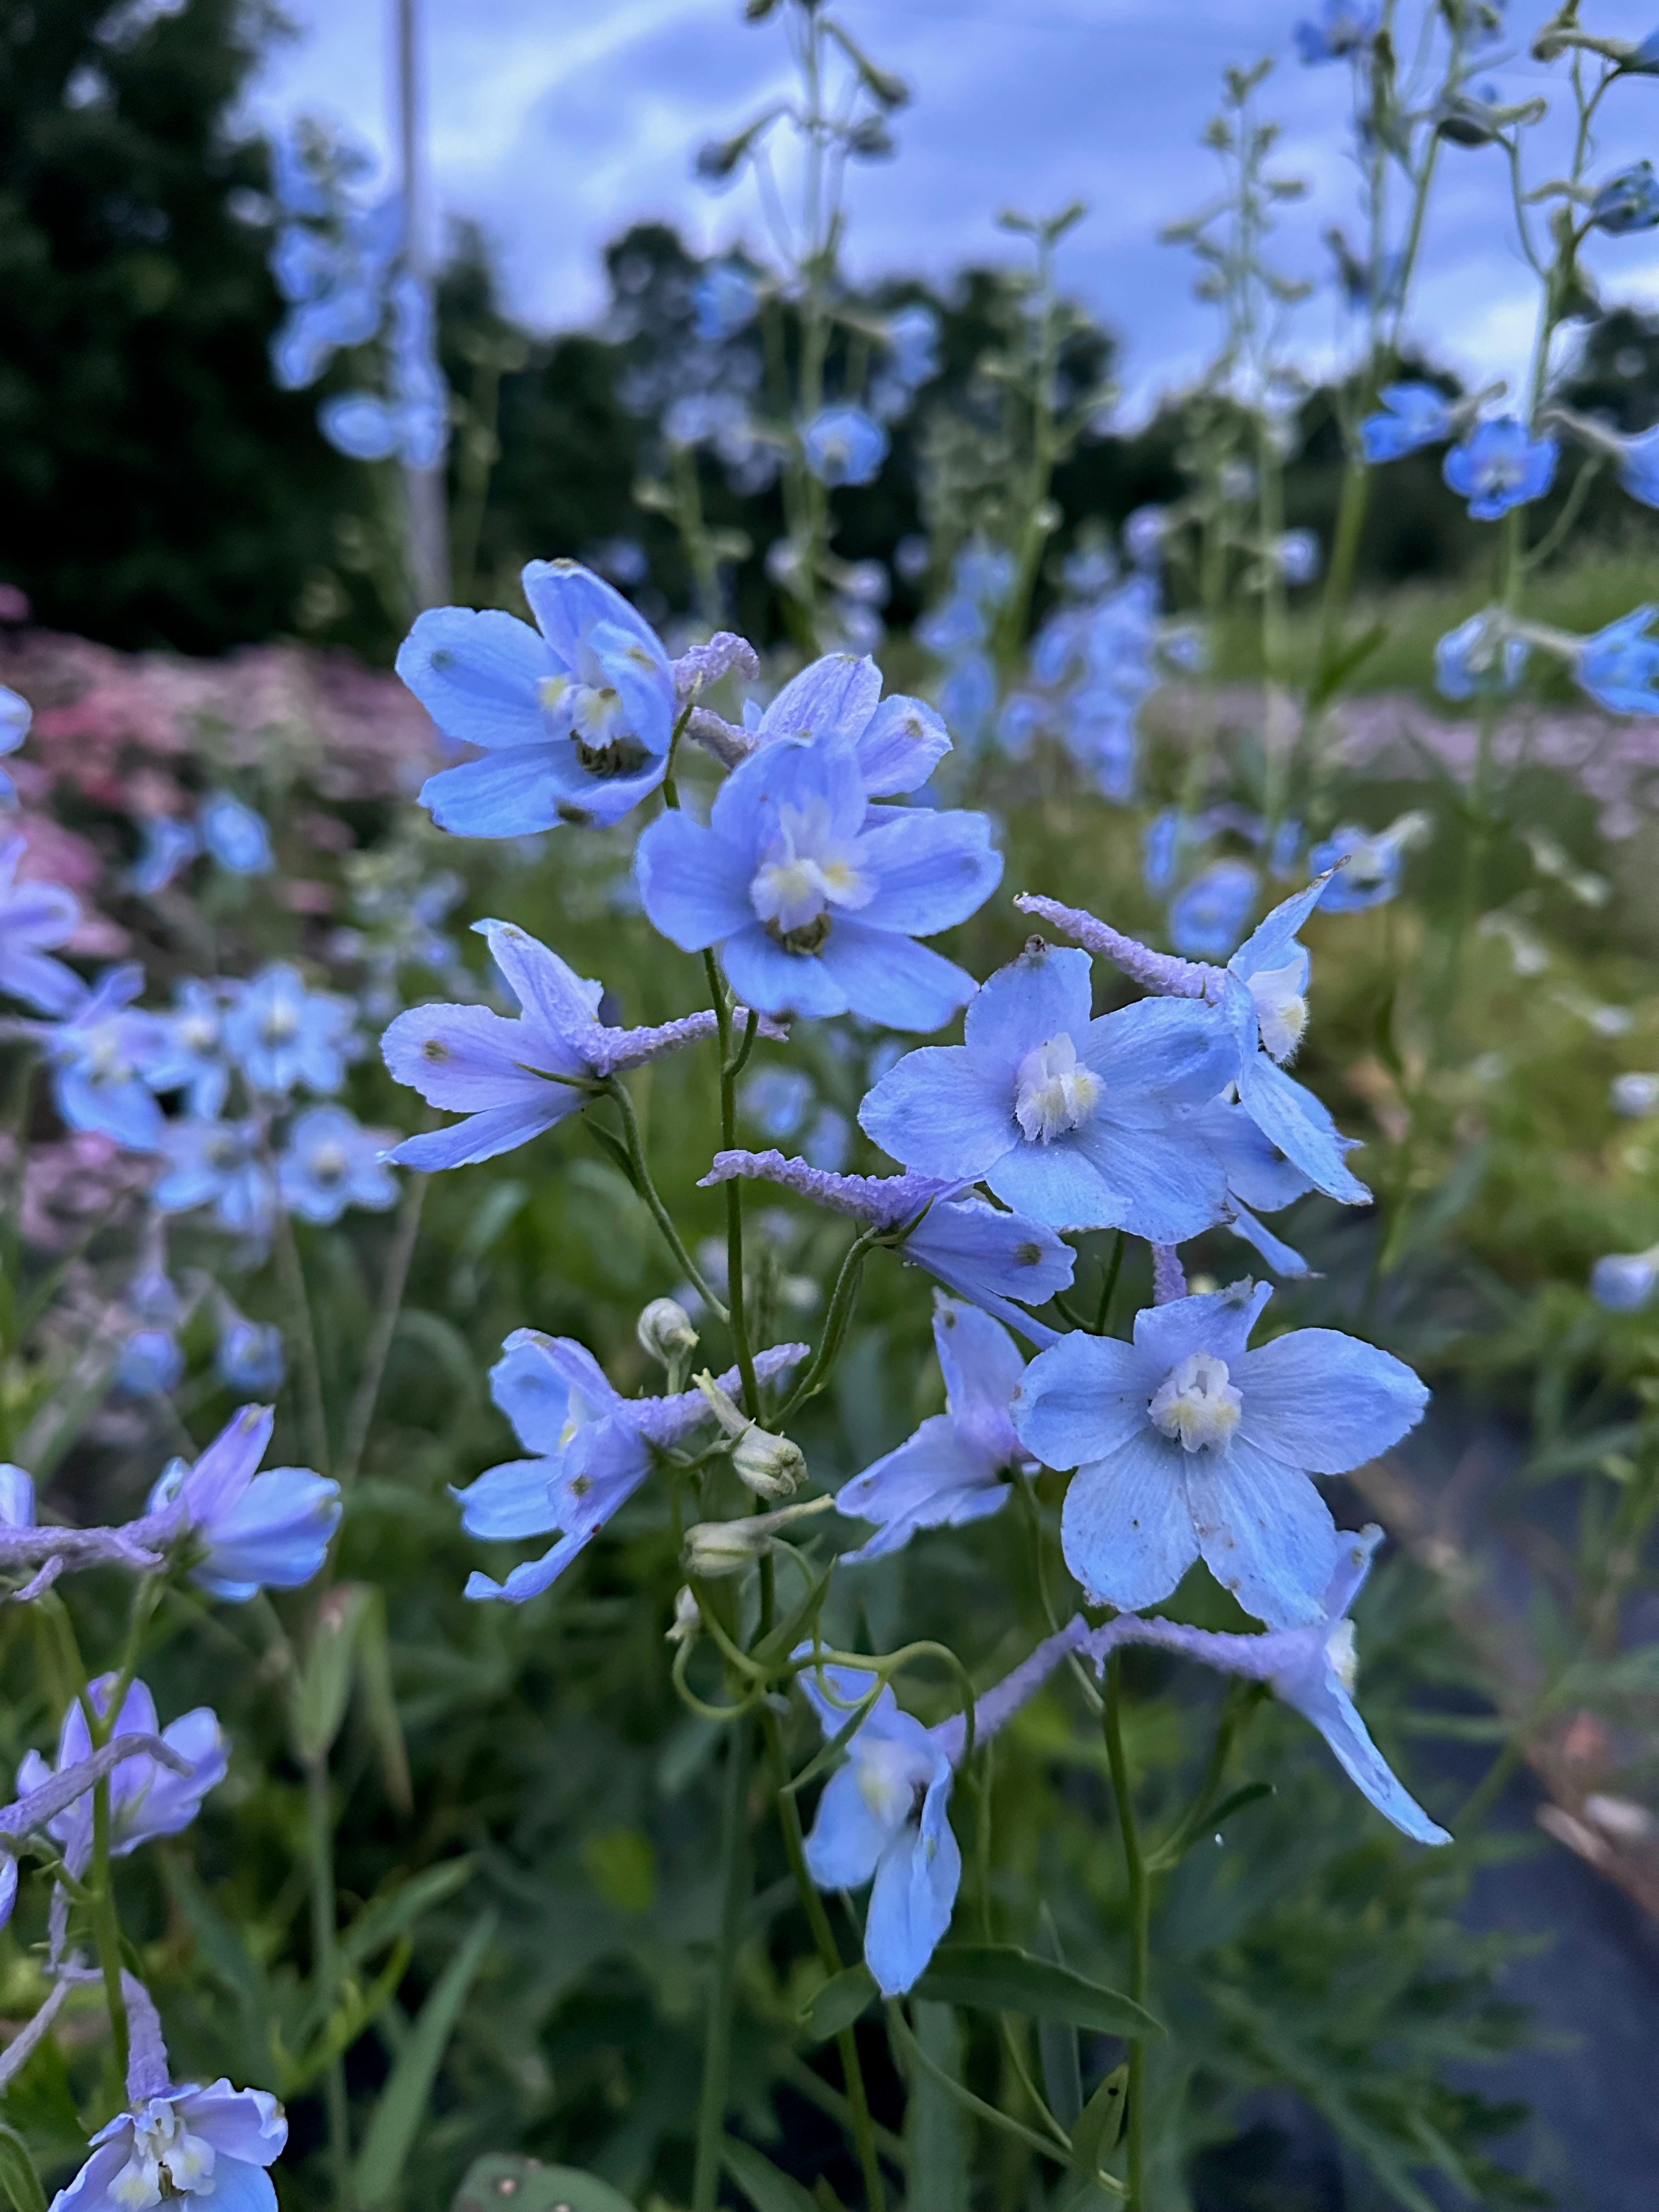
725, 1547
664, 1331
770, 1465
688, 1618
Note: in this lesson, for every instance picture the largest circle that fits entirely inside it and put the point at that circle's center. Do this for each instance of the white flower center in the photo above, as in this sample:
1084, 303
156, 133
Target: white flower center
889, 1782
1281, 1011
804, 870
596, 720
1197, 1403
281, 1021
1342, 1654
166, 2160
329, 1162
1052, 1093
199, 1033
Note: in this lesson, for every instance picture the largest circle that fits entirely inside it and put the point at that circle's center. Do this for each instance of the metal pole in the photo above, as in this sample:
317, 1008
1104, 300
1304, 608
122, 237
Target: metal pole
426, 491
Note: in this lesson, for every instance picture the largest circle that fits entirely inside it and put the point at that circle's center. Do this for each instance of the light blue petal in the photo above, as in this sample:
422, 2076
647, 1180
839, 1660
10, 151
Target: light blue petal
1083, 1398
509, 1502
535, 1576
891, 979
932, 870
277, 1533
570, 602
847, 1840
641, 678
982, 1368
1291, 1118
694, 885
484, 1136
936, 1112
790, 772
993, 1258
1216, 1321
530, 788
559, 1006
1270, 944
467, 1059
479, 675
1322, 1699
773, 982
1048, 992
834, 697
913, 1897
1055, 1183
1258, 1173
900, 745
1327, 1402
1160, 1052
1160, 1181
1127, 1528
923, 1484
1283, 1259
1265, 1532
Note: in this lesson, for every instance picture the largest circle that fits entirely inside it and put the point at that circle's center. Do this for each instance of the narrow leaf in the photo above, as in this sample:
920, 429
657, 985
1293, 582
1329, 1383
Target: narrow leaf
1095, 2134
383, 1919
1057, 2041
936, 2129
403, 2102
18, 2182
767, 2189
841, 2001
1001, 1978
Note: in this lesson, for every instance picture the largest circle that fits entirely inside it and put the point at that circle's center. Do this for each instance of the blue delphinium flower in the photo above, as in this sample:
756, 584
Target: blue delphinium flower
1266, 996
1628, 201
411, 424
777, 1100
1298, 555
1074, 1121
237, 837
15, 716
1619, 666
1189, 1445
815, 899
1413, 415
1367, 863
185, 2146
590, 1451
97, 1055
968, 695
959, 1465
1208, 917
146, 1799
1500, 464
217, 1164
1623, 1282
166, 847
35, 918
1160, 849
249, 1357
331, 1162
512, 1080
898, 741
149, 1364
725, 299
1477, 657
1340, 28
884, 1817
842, 445
189, 1051
243, 1531
912, 340
574, 717
281, 1033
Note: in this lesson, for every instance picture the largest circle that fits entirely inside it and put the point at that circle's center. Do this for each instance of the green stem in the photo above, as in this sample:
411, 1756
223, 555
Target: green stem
326, 1969
616, 1088
829, 1951
1109, 1284
292, 1274
106, 1930
733, 1191
734, 1898
395, 1282
1140, 1928
841, 1301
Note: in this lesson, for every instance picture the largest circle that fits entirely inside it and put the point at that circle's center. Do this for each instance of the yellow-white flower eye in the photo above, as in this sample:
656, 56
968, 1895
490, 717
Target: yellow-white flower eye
1281, 1011
1052, 1093
1197, 1404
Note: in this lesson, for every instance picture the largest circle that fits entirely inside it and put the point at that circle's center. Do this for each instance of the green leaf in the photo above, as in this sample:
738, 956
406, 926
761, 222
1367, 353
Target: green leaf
767, 2189
502, 2183
935, 2126
324, 1679
1057, 2041
612, 1147
403, 2102
18, 2182
1001, 1978
841, 2001
383, 1919
1345, 663
776, 1647
1101, 2121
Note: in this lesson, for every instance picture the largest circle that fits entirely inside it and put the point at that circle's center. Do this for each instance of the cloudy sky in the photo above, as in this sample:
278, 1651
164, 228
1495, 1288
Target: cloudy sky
554, 123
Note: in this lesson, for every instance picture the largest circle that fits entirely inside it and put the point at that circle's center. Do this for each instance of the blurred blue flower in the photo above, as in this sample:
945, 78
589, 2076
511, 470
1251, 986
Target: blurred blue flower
1340, 28
1413, 415
574, 717
1207, 918
97, 1054
331, 1162
814, 898
249, 1357
1298, 555
897, 741
1499, 465
246, 1531
1623, 1282
1187, 1444
968, 695
149, 1364
1638, 466
1374, 860
1071, 1120
959, 1465
1145, 534
34, 916
1282, 852
167, 847
913, 339
1628, 201
410, 424
15, 716
217, 1164
512, 1079
146, 1799
1479, 656
884, 1817
952, 626
188, 1051
1619, 666
279, 1033
1160, 849
237, 837
842, 445
725, 299
776, 1100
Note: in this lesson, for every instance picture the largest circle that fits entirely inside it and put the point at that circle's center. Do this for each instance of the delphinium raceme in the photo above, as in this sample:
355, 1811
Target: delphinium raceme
805, 881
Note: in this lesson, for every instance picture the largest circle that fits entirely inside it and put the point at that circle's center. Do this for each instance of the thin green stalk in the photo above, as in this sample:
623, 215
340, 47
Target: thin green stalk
733, 1193
395, 1281
106, 1927
616, 1088
829, 1952
325, 1965
1140, 1928
292, 1275
734, 1898
842, 1299
1109, 1284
